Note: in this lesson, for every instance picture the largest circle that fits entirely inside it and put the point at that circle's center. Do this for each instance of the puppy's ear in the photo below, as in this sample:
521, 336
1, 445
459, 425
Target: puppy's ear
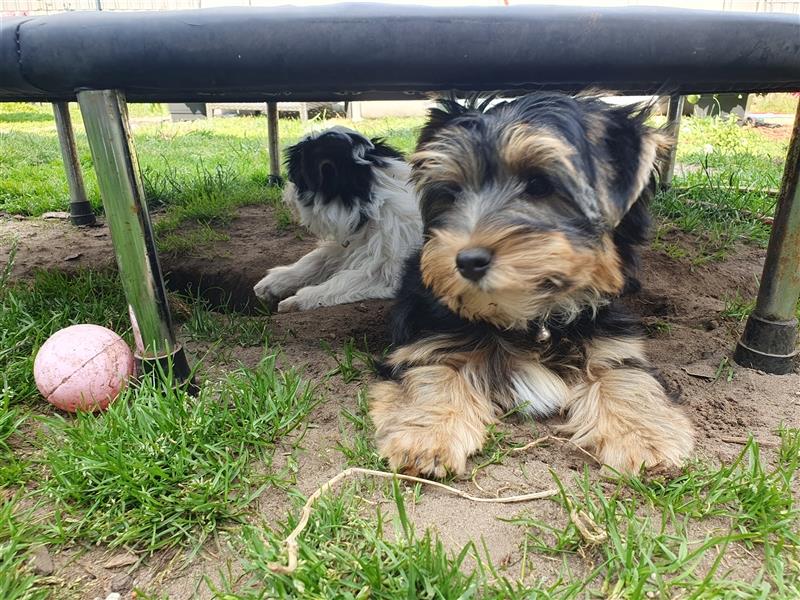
630, 152
438, 117
448, 110
294, 163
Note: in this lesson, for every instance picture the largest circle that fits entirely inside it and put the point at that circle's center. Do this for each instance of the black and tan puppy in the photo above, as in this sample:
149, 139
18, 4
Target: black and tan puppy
532, 210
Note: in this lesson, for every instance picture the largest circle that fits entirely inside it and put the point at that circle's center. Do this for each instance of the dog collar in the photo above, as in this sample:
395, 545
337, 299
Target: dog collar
542, 335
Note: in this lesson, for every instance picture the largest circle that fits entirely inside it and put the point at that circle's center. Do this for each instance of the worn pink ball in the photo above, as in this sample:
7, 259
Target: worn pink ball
83, 367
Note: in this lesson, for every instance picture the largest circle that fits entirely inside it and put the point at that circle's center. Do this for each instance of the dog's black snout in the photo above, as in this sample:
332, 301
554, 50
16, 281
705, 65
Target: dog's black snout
327, 170
473, 263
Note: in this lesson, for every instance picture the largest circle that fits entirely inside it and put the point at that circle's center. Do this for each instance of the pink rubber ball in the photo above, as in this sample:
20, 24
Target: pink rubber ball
83, 367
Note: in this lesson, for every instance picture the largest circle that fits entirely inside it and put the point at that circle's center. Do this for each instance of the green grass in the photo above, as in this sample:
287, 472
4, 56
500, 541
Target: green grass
343, 554
726, 190
757, 501
17, 580
161, 467
645, 538
356, 442
187, 241
207, 198
206, 325
353, 363
12, 468
738, 308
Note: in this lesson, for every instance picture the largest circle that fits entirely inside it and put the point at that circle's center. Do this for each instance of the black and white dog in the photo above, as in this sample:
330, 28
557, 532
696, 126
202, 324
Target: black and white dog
353, 193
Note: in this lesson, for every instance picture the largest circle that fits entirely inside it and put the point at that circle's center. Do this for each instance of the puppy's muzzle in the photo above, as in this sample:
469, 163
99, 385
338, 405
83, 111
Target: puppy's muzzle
474, 263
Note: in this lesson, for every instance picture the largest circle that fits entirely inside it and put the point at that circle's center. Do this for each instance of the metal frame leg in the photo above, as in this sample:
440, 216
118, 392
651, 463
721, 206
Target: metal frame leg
769, 341
674, 113
80, 211
354, 111
105, 117
273, 146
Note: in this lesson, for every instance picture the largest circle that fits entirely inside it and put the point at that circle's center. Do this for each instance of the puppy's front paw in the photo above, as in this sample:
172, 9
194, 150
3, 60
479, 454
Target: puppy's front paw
413, 441
264, 293
290, 304
630, 452
275, 286
423, 452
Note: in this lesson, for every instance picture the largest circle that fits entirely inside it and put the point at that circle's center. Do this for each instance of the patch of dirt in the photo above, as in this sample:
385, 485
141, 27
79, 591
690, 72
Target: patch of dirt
773, 131
686, 299
222, 273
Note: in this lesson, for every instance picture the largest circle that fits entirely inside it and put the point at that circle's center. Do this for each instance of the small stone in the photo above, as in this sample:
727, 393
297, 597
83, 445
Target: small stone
75, 256
56, 215
114, 596
41, 562
121, 560
121, 583
712, 324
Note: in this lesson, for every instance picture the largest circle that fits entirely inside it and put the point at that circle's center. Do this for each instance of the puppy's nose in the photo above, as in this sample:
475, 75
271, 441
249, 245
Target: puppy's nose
473, 263
327, 170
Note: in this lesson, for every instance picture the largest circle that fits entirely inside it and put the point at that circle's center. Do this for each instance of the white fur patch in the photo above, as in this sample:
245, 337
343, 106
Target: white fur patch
540, 392
351, 265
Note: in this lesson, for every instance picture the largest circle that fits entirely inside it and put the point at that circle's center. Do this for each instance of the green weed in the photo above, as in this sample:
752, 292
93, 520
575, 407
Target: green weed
17, 580
11, 417
207, 325
353, 363
357, 441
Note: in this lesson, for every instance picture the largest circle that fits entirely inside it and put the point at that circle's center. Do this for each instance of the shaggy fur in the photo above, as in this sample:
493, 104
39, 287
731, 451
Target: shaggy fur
353, 193
532, 212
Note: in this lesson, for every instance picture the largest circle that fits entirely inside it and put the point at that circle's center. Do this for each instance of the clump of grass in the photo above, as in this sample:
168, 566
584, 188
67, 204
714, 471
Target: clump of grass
724, 370
497, 446
188, 240
658, 327
32, 311
343, 554
162, 468
756, 500
354, 362
209, 198
11, 468
17, 580
357, 441
640, 539
738, 308
206, 325
284, 217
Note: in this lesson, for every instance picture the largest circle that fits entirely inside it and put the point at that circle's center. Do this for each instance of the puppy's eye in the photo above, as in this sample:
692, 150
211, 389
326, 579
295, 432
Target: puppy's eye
538, 186
446, 197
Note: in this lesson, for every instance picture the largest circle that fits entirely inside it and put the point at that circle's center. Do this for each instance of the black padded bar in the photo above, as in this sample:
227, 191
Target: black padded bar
361, 51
